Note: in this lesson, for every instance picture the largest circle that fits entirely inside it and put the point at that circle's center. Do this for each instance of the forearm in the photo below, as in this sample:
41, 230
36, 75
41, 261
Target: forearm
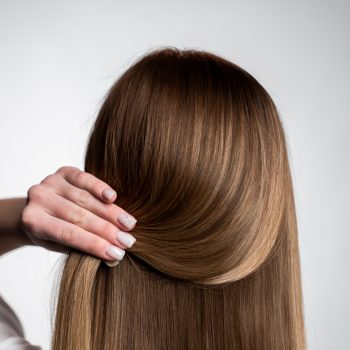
11, 234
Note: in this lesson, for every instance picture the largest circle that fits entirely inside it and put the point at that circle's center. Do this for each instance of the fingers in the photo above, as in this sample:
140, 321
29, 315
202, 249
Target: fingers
75, 209
70, 184
57, 230
74, 214
88, 182
109, 211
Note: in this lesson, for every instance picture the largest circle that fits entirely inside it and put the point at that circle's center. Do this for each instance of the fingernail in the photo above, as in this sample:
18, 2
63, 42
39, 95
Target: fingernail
125, 238
115, 252
108, 193
127, 220
112, 263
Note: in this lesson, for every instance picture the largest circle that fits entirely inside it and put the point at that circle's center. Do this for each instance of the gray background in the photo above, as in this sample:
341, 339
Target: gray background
58, 58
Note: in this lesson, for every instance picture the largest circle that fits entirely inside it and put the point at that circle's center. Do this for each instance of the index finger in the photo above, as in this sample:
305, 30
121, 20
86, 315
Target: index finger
88, 182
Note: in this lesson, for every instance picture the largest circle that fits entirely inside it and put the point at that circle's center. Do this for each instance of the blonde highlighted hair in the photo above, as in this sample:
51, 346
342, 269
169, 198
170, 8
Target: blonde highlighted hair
195, 149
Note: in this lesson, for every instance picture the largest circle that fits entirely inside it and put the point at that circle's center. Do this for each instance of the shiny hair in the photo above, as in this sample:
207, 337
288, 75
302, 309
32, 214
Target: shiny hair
194, 146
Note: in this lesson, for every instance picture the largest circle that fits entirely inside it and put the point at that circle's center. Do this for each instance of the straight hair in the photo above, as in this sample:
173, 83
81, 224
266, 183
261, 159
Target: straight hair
194, 146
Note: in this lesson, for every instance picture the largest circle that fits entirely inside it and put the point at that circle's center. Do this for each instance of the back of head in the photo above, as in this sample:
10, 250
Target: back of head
195, 149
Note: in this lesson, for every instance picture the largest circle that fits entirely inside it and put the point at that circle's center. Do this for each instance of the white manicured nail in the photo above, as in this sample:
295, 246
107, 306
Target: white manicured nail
125, 238
115, 252
112, 263
127, 220
108, 193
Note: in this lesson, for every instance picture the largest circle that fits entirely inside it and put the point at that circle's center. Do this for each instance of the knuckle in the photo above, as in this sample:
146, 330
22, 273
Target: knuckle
83, 197
27, 217
81, 177
61, 170
49, 179
36, 192
32, 189
66, 236
30, 224
79, 217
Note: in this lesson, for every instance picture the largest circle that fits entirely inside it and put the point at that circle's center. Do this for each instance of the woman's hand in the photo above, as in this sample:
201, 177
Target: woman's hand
72, 208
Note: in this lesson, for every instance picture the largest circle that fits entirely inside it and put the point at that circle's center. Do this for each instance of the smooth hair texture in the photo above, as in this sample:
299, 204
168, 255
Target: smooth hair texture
194, 147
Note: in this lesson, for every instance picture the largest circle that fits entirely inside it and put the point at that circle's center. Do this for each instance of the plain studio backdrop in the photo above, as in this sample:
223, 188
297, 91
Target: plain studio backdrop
58, 58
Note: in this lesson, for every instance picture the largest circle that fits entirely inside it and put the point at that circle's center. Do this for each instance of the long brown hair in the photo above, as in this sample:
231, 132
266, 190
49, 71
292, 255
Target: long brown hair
195, 149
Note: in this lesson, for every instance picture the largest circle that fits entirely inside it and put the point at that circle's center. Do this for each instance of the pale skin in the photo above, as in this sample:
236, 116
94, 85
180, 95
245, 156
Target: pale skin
70, 208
